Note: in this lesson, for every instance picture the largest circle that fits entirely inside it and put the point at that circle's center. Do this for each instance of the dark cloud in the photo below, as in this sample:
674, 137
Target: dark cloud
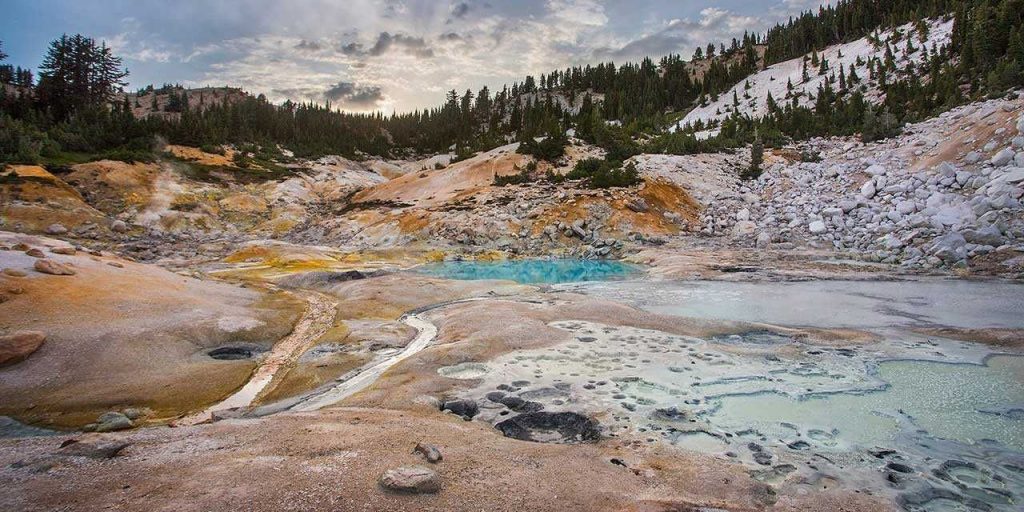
683, 36
308, 45
414, 45
460, 10
387, 42
450, 36
350, 95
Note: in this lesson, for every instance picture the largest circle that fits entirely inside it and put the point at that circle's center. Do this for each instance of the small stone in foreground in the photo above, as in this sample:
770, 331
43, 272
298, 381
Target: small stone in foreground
429, 452
411, 479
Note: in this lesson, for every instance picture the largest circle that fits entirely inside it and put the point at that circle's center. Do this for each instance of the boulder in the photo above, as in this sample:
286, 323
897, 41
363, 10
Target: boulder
119, 226
56, 229
1002, 158
745, 227
817, 227
950, 247
764, 239
91, 450
53, 268
637, 205
868, 189
16, 347
411, 479
1014, 175
985, 235
464, 408
113, 421
875, 170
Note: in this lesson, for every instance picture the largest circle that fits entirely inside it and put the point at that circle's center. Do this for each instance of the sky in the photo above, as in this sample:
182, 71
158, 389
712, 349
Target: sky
386, 55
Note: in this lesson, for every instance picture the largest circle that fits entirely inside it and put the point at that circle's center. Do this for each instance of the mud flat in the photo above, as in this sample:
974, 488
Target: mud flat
926, 421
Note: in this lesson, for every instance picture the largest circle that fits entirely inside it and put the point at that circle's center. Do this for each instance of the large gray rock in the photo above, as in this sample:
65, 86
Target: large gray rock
847, 206
745, 227
1014, 175
906, 207
1002, 158
950, 247
56, 229
411, 479
817, 227
985, 235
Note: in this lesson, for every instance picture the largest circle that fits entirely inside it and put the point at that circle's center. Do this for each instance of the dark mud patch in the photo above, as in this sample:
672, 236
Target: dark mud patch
234, 352
551, 427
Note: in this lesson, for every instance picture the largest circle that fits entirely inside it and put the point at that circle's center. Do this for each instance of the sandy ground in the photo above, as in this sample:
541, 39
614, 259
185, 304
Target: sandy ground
330, 460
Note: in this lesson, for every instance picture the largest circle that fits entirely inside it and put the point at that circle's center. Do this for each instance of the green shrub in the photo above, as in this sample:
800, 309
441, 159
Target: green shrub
600, 173
550, 148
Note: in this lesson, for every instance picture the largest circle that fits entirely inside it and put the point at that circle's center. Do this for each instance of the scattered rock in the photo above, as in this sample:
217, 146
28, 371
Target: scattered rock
411, 479
76, 448
53, 268
429, 452
119, 226
1002, 158
67, 251
15, 348
35, 253
56, 229
113, 421
14, 272
464, 408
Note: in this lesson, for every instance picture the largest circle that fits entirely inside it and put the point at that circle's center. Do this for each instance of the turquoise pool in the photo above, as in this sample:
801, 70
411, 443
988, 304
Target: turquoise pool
533, 271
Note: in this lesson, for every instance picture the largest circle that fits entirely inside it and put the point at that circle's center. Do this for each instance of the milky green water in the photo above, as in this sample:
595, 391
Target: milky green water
946, 400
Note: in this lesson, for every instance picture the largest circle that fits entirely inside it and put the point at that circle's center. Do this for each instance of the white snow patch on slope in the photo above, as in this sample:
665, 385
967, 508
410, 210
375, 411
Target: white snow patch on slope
774, 78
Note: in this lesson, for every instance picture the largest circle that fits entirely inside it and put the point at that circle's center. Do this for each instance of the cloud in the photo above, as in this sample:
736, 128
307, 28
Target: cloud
387, 42
357, 97
683, 36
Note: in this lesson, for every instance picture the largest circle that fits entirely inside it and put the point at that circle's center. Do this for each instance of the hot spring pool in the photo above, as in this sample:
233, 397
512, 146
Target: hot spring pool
533, 271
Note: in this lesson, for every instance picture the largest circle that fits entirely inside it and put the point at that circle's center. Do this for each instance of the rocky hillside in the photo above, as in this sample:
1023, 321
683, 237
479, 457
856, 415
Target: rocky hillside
946, 193
786, 81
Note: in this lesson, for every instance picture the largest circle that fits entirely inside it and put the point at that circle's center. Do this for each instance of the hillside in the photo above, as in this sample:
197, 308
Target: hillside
785, 81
